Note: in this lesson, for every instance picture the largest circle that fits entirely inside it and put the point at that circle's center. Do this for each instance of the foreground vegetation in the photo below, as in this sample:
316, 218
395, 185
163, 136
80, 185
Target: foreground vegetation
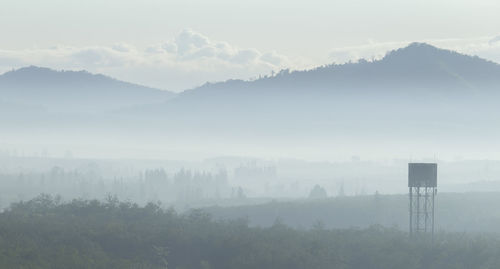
45, 233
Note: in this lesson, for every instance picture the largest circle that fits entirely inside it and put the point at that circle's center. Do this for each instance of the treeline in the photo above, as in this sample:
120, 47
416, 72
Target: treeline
182, 187
46, 233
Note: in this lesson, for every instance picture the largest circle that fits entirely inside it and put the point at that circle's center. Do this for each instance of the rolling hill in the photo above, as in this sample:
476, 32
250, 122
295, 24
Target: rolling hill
73, 92
416, 87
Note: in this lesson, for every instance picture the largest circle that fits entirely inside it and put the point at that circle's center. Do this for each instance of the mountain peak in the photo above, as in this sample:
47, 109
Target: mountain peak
32, 76
420, 45
75, 91
419, 51
424, 61
36, 74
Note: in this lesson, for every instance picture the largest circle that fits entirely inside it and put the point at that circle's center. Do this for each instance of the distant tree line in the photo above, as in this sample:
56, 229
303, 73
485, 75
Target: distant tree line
181, 187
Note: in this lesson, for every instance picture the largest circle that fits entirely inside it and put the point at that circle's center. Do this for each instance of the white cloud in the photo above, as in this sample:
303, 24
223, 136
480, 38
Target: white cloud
188, 42
192, 46
494, 40
274, 58
98, 57
123, 47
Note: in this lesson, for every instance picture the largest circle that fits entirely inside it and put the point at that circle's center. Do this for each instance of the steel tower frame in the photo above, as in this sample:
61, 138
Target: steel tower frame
422, 204
422, 186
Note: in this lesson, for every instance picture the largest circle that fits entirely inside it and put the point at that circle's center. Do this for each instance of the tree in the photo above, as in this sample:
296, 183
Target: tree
318, 192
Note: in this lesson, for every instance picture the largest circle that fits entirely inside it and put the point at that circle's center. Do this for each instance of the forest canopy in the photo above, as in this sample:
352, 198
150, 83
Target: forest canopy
48, 233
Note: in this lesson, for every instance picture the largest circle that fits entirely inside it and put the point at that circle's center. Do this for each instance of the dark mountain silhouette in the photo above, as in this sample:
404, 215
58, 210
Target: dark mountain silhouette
70, 91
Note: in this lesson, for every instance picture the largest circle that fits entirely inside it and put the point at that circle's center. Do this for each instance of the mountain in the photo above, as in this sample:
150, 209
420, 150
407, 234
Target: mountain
419, 86
70, 91
418, 99
418, 65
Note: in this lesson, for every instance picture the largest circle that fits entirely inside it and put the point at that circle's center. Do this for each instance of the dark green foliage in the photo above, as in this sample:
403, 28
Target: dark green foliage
45, 233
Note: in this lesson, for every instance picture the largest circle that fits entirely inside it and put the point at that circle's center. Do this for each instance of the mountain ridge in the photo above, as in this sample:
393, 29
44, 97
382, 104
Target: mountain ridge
395, 65
39, 74
417, 88
74, 91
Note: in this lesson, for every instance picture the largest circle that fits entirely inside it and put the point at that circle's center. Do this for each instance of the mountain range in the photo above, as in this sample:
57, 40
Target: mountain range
417, 93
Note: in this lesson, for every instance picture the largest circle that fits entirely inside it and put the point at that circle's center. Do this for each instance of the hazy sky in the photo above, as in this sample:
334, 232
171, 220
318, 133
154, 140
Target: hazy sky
180, 44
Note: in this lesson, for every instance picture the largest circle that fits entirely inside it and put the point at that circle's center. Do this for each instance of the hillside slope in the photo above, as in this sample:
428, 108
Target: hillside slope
70, 91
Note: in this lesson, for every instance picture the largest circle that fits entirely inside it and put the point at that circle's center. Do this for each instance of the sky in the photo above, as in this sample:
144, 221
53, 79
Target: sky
177, 45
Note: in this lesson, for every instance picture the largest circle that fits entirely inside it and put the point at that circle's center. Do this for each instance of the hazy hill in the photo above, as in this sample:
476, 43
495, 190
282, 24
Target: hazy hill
417, 65
413, 88
418, 99
458, 212
70, 91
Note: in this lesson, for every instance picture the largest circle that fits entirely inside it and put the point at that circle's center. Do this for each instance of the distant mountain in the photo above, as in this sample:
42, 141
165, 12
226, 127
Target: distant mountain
419, 87
418, 65
70, 91
415, 99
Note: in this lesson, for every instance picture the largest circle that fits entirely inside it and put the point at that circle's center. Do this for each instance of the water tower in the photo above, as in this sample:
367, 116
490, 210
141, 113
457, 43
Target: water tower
422, 184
